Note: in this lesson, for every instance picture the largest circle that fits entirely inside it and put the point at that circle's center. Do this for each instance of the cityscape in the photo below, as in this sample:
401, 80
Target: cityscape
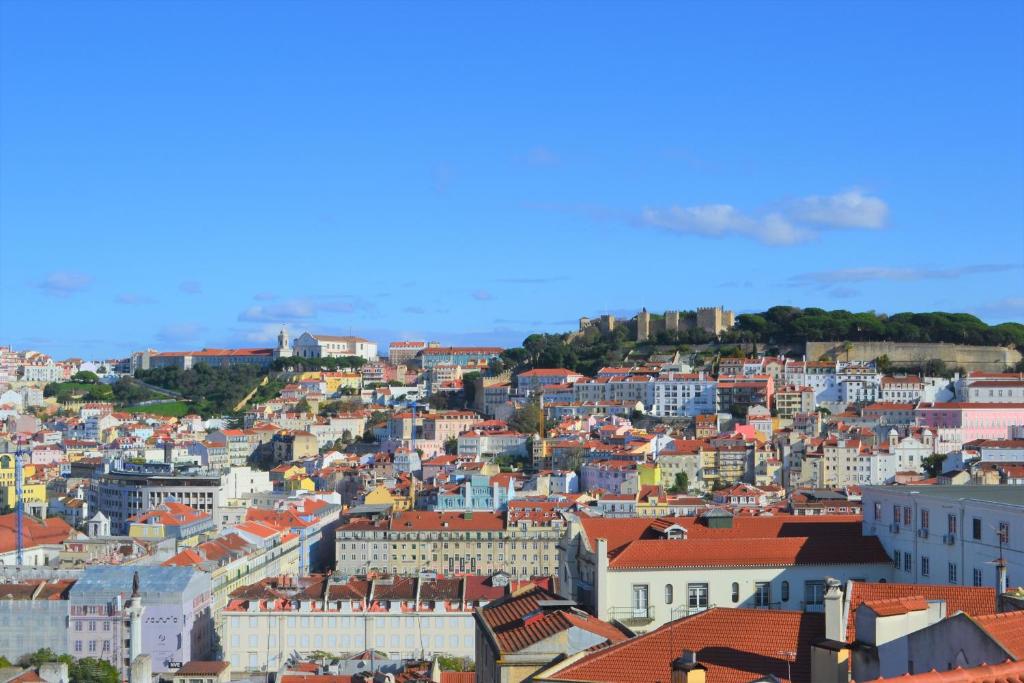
328, 353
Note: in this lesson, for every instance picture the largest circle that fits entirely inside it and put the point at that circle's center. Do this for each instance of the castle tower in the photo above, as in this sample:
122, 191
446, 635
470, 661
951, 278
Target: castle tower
643, 325
671, 321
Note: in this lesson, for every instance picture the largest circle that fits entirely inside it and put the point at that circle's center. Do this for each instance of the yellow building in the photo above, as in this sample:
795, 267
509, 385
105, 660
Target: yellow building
380, 495
302, 483
31, 492
648, 474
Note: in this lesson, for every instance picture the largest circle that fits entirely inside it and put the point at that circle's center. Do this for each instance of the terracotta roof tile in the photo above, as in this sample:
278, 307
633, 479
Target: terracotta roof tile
968, 599
735, 645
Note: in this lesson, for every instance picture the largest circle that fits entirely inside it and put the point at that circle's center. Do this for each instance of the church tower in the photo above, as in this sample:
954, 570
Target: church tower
283, 350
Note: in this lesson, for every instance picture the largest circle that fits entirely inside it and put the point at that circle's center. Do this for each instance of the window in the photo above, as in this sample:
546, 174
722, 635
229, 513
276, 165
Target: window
785, 591
896, 559
762, 594
977, 577
908, 563
952, 572
814, 592
640, 601
1004, 533
908, 514
735, 592
925, 568
976, 529
924, 519
896, 514
669, 593
697, 596
951, 523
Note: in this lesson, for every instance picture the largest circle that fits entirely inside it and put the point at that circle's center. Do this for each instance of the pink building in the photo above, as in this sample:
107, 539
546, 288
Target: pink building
971, 421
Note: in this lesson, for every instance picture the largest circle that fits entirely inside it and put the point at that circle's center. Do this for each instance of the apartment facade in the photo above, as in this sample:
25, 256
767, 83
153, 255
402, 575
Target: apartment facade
406, 543
948, 534
309, 345
123, 495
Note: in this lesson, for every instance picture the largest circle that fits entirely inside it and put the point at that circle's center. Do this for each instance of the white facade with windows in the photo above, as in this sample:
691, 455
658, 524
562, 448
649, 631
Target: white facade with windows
678, 395
261, 640
948, 534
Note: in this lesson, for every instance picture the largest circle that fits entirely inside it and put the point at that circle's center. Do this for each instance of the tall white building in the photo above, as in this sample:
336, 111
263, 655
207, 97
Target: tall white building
684, 395
948, 534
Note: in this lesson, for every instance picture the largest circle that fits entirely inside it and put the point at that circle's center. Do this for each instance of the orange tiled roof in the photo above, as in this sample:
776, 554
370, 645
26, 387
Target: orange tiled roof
1007, 629
519, 621
968, 599
1007, 672
735, 645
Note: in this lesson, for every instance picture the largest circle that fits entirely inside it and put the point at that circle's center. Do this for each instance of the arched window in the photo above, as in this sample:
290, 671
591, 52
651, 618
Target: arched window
669, 593
735, 592
785, 591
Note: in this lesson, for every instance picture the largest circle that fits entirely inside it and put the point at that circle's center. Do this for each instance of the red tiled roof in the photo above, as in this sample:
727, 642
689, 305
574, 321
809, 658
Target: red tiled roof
749, 552
519, 621
49, 531
967, 599
1007, 629
1007, 672
735, 645
198, 668
896, 606
458, 677
621, 531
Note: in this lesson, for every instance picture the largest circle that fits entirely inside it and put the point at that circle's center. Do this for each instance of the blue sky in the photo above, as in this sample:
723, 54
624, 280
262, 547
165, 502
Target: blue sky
192, 174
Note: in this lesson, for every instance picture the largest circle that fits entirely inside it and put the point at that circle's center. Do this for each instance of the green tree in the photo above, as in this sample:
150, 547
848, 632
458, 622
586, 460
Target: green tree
451, 445
346, 437
681, 484
933, 464
883, 364
936, 367
469, 387
526, 419
85, 377
303, 406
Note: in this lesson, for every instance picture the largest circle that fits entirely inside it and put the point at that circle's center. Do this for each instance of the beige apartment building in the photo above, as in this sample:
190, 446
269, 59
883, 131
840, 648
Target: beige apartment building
406, 543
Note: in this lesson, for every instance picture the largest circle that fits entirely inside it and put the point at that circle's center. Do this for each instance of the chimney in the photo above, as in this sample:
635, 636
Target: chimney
1001, 587
686, 669
835, 625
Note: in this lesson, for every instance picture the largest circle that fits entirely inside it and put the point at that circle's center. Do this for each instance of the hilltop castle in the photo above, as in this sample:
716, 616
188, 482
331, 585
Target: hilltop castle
713, 320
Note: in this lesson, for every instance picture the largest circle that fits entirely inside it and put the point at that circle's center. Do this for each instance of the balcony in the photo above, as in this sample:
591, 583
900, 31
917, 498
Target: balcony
686, 611
633, 616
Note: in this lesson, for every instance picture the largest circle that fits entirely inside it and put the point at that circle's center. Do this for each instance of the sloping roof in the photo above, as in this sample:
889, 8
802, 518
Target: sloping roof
1007, 672
749, 552
1007, 629
967, 599
519, 620
198, 668
621, 531
735, 645
34, 532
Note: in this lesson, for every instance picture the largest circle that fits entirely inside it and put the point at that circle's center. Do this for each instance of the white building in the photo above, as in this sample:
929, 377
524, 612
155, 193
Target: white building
646, 572
684, 395
948, 534
407, 618
328, 346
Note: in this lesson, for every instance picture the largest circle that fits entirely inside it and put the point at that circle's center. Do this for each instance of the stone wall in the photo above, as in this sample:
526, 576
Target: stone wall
987, 358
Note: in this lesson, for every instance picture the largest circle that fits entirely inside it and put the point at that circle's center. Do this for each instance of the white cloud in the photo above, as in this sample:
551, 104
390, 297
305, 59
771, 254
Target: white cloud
482, 295
792, 223
541, 156
64, 283
852, 209
191, 287
294, 309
